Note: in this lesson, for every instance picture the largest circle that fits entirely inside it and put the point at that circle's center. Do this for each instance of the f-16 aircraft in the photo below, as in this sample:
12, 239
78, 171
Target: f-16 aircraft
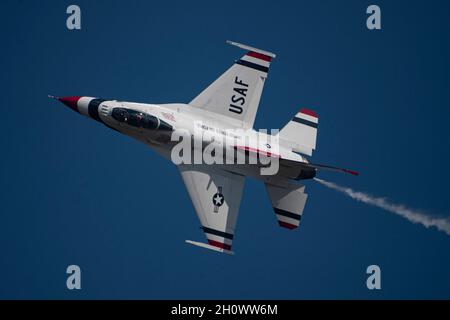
225, 111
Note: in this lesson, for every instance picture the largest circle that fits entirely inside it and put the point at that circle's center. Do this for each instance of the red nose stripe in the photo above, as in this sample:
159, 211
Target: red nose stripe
71, 102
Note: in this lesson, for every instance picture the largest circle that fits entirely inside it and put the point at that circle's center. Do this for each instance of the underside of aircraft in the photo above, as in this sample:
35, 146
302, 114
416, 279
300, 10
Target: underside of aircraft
226, 109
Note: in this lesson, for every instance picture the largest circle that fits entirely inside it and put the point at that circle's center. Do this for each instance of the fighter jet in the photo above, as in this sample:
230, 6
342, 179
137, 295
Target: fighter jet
222, 115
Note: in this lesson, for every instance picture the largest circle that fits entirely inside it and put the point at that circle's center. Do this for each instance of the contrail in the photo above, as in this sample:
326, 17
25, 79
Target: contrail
411, 215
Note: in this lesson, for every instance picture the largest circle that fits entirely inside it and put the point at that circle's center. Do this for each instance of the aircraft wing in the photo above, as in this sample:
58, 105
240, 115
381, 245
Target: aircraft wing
235, 94
216, 196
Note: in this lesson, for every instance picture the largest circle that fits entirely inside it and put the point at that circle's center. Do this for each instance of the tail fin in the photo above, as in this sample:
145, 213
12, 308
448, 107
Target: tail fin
301, 131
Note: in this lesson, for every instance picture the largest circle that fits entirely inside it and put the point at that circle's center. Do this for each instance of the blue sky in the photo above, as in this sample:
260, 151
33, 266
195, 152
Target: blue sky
75, 192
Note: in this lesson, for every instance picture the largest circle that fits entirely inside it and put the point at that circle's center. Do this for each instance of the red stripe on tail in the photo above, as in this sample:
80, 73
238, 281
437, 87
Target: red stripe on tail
259, 56
309, 112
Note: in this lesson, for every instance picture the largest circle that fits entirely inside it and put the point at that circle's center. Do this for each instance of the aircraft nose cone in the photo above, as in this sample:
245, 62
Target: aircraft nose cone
71, 102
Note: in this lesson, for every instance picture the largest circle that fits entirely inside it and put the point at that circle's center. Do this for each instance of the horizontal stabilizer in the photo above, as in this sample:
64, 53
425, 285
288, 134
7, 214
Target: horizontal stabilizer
288, 201
208, 246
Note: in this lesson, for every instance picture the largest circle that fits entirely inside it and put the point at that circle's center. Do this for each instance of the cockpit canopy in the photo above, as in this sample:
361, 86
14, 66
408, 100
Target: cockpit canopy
139, 119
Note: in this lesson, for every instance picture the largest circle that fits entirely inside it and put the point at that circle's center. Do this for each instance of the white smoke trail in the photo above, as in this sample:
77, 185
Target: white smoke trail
411, 215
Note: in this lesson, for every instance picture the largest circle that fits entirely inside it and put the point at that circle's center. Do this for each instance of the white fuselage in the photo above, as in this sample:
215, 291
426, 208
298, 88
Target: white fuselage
202, 127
